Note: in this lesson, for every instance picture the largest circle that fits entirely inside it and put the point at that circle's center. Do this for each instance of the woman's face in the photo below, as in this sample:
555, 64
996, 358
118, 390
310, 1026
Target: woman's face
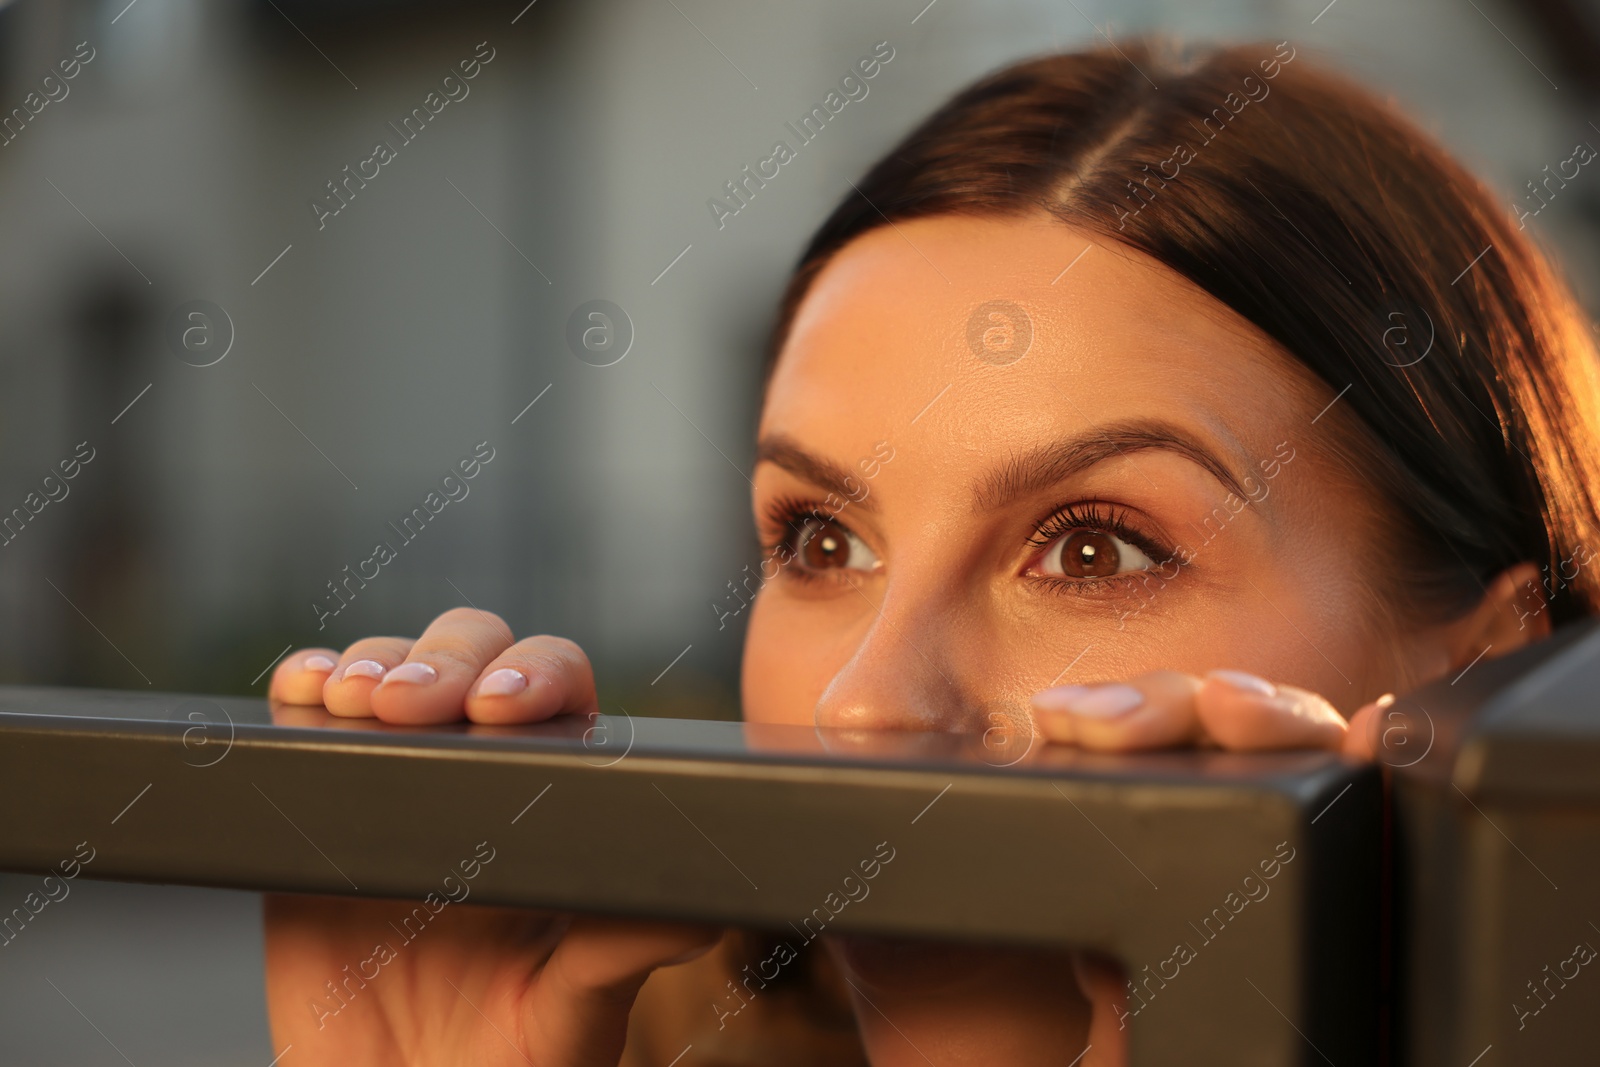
1110, 473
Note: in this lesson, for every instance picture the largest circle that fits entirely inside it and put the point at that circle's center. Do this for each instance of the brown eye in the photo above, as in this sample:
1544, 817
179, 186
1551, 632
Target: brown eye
1092, 554
827, 546
1089, 554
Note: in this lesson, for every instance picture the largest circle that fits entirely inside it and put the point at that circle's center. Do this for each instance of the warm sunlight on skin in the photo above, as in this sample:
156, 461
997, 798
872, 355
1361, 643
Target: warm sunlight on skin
1148, 501
1008, 532
1141, 403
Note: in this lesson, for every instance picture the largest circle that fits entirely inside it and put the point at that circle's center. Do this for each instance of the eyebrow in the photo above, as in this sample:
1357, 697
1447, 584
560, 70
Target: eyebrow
1040, 468
1031, 472
785, 452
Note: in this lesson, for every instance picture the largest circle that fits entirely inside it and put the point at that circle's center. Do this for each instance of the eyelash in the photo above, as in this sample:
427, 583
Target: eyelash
1103, 517
785, 516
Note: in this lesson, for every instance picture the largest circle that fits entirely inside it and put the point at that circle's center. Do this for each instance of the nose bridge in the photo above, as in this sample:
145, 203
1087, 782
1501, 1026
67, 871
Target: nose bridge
902, 676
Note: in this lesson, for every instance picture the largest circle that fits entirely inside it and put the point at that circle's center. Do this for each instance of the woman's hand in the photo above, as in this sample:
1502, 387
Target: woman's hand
465, 664
1225, 709
477, 985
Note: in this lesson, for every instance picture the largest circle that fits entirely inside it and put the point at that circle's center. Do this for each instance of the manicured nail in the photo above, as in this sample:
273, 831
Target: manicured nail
412, 674
502, 682
363, 668
1247, 683
1091, 701
1107, 701
1058, 698
318, 663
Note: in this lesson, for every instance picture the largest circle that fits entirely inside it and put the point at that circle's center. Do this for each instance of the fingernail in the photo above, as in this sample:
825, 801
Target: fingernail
502, 682
1059, 697
1247, 683
318, 663
1096, 701
363, 668
412, 674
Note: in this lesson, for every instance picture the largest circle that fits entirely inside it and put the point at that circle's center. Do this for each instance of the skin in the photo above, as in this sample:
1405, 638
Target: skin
942, 606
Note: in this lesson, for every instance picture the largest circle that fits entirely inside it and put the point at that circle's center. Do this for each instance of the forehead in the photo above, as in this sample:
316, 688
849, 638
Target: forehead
1017, 330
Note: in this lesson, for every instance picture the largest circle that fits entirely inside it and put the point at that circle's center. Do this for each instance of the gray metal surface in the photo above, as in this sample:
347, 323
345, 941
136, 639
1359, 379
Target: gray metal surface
1498, 856
1265, 868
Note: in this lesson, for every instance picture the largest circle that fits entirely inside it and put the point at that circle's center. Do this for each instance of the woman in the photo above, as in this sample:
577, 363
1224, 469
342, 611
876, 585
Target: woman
1201, 414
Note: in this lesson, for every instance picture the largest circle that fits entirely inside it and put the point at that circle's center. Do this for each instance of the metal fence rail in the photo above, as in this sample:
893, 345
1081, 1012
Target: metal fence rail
1251, 898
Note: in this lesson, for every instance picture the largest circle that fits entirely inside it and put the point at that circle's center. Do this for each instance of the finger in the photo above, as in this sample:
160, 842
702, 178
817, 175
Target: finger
1151, 711
1361, 740
348, 690
298, 678
431, 685
1102, 985
533, 680
577, 1013
1243, 713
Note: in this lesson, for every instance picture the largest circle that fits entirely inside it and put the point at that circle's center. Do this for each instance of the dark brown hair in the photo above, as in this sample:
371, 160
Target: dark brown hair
1344, 234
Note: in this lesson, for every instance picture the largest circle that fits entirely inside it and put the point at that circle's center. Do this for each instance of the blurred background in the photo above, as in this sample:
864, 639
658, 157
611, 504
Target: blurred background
353, 358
